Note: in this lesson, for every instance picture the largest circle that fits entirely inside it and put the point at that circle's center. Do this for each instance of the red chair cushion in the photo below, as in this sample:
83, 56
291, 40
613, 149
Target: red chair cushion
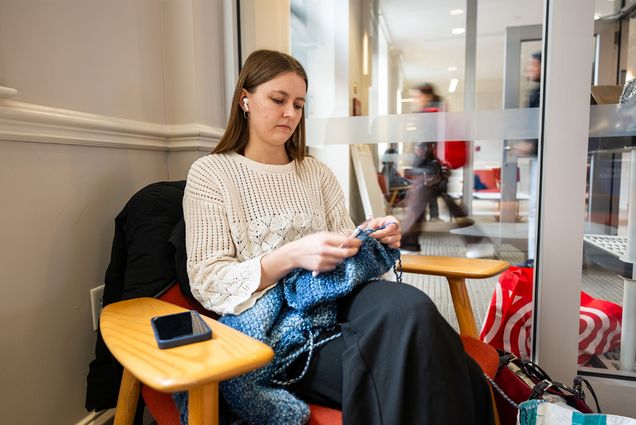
161, 405
321, 415
174, 296
484, 354
488, 178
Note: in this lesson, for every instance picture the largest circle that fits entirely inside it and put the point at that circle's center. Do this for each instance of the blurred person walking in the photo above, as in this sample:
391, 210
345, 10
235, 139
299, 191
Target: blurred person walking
431, 182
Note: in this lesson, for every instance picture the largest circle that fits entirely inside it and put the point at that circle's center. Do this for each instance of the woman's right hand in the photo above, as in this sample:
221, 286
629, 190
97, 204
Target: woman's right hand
319, 252
323, 251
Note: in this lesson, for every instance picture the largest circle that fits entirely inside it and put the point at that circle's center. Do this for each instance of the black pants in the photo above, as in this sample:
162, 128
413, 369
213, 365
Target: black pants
419, 198
397, 362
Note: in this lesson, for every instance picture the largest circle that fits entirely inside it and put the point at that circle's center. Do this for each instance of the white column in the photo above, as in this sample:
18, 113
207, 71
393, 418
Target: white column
567, 52
470, 96
265, 24
628, 335
192, 40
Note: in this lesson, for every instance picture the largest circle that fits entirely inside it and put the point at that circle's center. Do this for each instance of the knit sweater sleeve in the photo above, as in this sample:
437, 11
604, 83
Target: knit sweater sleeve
338, 219
219, 281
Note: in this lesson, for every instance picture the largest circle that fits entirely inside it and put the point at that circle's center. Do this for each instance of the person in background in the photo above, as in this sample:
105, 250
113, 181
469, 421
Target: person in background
529, 149
391, 174
258, 207
431, 183
427, 100
433, 173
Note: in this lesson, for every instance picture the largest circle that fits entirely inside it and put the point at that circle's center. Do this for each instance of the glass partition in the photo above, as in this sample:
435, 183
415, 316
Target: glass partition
607, 337
426, 88
446, 96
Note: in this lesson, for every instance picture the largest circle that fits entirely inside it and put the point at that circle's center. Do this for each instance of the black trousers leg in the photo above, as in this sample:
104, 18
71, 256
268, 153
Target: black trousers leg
417, 200
401, 363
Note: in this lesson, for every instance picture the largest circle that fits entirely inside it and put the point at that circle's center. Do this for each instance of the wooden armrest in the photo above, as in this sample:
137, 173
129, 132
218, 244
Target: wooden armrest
456, 270
128, 334
454, 267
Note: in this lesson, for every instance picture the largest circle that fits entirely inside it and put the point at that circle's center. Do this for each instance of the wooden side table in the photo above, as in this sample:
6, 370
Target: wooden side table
197, 368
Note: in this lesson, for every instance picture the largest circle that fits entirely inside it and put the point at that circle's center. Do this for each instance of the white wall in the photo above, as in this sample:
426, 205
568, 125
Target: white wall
193, 61
92, 56
111, 97
57, 227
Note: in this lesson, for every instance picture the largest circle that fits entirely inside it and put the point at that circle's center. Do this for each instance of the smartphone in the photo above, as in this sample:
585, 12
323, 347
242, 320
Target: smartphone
177, 329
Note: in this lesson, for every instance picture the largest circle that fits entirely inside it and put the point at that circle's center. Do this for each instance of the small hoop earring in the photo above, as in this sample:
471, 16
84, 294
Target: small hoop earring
245, 114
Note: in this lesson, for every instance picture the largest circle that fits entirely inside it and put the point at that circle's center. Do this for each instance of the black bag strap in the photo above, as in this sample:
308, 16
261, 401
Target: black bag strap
579, 390
504, 359
531, 369
542, 387
534, 371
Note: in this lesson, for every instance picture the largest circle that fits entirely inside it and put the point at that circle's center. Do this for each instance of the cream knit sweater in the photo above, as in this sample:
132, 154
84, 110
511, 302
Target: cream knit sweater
236, 210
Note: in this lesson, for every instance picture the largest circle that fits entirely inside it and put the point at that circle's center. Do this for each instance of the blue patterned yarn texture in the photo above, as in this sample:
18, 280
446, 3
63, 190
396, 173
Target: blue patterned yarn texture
289, 318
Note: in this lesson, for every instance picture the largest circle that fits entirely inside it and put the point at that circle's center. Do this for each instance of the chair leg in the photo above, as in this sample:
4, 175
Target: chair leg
127, 399
463, 308
394, 195
203, 405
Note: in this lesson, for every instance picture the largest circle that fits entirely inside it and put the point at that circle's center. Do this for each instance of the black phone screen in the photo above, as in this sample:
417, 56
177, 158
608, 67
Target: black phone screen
177, 329
174, 325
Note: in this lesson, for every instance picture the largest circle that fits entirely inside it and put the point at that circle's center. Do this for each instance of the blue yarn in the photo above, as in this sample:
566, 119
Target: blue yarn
289, 318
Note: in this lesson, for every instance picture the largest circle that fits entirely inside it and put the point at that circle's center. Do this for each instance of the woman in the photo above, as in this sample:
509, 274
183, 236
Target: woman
258, 207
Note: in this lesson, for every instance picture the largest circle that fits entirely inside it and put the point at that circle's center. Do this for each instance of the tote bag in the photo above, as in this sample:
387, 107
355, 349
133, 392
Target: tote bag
508, 322
540, 412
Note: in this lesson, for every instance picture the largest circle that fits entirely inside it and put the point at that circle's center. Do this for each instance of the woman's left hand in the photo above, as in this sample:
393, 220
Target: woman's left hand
390, 235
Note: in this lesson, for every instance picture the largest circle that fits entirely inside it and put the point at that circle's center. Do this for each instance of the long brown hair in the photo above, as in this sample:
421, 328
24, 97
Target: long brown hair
260, 67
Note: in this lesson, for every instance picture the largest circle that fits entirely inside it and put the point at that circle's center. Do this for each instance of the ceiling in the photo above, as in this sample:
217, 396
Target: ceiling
421, 31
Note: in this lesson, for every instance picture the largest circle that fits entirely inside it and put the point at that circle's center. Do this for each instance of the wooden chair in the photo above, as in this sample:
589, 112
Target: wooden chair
198, 368
391, 194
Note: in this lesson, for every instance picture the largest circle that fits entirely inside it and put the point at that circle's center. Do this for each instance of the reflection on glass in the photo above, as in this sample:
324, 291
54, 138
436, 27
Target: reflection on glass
607, 342
530, 75
445, 168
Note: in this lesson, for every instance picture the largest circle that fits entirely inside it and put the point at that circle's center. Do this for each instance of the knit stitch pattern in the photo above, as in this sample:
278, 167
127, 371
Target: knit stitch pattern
289, 318
236, 210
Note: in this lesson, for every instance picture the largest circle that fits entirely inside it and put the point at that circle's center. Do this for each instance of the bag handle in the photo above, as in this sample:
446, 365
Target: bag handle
533, 370
581, 393
542, 387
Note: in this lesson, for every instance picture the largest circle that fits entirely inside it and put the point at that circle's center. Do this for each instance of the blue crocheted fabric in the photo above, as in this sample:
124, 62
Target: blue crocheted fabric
289, 318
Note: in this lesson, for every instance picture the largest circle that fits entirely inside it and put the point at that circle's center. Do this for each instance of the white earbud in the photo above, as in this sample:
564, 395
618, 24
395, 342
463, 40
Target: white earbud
245, 104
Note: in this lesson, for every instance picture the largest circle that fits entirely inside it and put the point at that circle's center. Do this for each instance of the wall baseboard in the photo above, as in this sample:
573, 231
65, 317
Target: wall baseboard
102, 417
27, 122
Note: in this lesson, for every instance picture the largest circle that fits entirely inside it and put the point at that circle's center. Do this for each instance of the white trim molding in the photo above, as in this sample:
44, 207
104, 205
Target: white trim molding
27, 122
6, 92
102, 417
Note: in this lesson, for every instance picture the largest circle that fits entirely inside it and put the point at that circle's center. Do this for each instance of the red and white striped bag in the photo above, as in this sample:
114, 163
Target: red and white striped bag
508, 323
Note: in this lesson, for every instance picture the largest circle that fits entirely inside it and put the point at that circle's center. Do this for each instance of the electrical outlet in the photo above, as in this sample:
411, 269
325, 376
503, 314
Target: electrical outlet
97, 302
